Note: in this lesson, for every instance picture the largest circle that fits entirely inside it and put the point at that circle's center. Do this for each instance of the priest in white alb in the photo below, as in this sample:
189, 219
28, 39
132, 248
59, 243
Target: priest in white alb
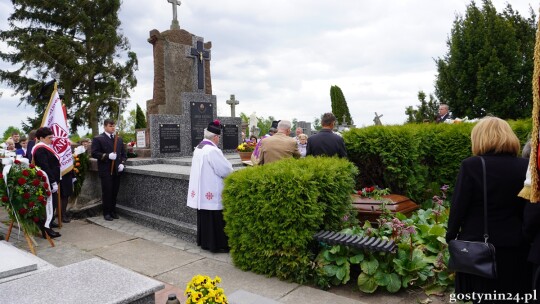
208, 169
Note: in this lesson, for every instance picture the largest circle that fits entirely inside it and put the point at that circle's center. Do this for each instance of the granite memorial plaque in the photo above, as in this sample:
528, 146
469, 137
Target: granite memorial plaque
169, 138
201, 114
230, 137
141, 138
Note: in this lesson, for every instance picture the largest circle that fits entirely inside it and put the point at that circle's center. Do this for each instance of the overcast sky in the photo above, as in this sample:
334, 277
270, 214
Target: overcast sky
280, 57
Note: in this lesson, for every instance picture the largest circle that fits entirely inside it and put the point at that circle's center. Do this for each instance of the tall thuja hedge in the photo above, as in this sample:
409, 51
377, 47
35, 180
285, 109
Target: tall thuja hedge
273, 211
386, 156
410, 159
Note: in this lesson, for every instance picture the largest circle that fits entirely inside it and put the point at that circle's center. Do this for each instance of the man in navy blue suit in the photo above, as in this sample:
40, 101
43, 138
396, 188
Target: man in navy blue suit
111, 163
326, 143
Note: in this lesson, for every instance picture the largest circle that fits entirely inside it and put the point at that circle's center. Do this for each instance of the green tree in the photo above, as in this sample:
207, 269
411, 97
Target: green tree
140, 119
489, 64
10, 131
339, 105
126, 126
264, 124
76, 42
426, 111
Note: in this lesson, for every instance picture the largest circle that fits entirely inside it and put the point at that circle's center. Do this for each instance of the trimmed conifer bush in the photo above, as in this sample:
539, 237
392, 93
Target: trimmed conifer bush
273, 211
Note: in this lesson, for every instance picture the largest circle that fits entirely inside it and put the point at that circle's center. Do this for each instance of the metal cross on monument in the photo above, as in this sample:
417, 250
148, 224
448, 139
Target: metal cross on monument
232, 102
175, 25
201, 55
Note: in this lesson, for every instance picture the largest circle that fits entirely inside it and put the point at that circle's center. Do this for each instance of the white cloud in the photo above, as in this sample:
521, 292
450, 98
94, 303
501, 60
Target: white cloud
280, 57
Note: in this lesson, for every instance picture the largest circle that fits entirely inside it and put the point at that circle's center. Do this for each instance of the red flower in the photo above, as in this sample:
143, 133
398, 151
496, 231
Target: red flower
45, 185
26, 195
44, 178
17, 161
36, 182
35, 219
40, 173
41, 198
25, 172
44, 202
5, 199
48, 193
31, 205
23, 211
21, 181
1, 176
32, 166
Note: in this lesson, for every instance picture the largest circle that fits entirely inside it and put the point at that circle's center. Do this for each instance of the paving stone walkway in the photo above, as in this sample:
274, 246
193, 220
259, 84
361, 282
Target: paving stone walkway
174, 261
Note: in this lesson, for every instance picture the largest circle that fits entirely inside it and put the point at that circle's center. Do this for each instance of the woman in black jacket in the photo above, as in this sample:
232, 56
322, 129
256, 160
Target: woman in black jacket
493, 139
47, 160
531, 227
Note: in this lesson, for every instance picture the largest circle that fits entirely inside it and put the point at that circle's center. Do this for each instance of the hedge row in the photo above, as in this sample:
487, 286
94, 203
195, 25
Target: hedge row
273, 211
414, 159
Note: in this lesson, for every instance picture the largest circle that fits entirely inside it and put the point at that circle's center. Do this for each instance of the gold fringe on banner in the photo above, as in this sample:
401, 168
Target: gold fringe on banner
533, 164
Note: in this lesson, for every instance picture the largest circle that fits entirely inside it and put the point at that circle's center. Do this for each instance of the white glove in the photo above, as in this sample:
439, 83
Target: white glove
112, 156
54, 187
120, 168
73, 180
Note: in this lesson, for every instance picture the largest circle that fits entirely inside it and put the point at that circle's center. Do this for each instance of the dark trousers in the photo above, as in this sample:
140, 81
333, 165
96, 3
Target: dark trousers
110, 184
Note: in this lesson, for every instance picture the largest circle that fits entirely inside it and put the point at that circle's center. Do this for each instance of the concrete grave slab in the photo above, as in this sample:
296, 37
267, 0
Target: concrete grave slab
146, 257
90, 281
14, 261
232, 279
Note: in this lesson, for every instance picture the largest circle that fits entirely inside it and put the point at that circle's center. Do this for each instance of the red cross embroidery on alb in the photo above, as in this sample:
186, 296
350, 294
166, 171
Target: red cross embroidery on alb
192, 193
209, 195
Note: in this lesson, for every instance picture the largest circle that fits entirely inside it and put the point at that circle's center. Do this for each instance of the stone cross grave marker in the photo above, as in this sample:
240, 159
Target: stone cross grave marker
200, 55
232, 102
175, 25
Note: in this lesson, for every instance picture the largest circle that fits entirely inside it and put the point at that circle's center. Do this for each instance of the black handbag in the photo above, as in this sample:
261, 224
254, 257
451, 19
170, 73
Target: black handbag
477, 258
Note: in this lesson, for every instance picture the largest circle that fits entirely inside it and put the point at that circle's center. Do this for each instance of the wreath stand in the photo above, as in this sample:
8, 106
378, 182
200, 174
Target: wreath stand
29, 239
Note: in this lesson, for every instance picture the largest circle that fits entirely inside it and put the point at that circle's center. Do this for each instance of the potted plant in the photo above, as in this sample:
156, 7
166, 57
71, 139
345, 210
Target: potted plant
245, 150
203, 290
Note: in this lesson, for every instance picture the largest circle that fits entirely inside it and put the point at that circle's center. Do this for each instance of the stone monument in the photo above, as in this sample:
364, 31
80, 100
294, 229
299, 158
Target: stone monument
182, 104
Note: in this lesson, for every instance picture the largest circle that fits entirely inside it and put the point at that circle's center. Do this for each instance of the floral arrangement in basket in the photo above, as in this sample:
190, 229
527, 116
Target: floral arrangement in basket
81, 163
203, 290
24, 196
246, 147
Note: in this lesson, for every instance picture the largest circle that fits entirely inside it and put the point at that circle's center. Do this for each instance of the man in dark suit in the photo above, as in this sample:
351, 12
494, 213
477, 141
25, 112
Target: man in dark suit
443, 113
326, 142
111, 163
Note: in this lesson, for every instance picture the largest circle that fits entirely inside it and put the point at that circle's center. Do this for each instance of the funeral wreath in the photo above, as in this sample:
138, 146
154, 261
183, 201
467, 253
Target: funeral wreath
23, 193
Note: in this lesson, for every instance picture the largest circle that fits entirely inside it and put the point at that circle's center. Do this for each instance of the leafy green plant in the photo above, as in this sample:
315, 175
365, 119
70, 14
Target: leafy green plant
419, 261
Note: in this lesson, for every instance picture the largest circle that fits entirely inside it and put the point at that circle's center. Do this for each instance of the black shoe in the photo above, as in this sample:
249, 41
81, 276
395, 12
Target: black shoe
114, 216
66, 220
107, 217
53, 225
52, 234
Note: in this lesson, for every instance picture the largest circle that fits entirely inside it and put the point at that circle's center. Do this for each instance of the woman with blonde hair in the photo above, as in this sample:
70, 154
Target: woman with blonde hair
493, 140
302, 144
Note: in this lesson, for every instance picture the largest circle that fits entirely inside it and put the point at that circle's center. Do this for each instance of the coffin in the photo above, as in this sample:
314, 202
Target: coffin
370, 209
